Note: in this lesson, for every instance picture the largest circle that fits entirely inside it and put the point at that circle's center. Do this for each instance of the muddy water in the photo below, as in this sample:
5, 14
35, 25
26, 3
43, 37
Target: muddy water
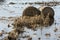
9, 12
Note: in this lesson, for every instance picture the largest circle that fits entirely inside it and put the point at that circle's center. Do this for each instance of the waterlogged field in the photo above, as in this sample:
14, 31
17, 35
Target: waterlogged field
9, 12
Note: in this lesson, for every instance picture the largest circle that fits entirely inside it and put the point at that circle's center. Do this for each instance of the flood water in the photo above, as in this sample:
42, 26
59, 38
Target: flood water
9, 12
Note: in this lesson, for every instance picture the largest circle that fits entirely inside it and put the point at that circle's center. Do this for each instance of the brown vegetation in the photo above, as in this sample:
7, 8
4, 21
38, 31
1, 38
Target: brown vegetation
32, 18
31, 11
13, 35
47, 34
46, 10
28, 22
33, 22
30, 38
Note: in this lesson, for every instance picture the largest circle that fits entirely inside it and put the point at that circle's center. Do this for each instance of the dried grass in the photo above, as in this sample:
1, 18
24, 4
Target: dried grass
32, 18
32, 22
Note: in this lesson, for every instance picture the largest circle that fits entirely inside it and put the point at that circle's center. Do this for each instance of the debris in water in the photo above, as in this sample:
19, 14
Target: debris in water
39, 38
1, 33
6, 38
12, 11
58, 36
26, 36
29, 38
12, 3
55, 30
9, 25
47, 35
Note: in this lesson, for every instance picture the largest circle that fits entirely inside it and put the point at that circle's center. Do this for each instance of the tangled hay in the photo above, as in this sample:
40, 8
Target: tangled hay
46, 10
28, 22
32, 18
33, 22
31, 11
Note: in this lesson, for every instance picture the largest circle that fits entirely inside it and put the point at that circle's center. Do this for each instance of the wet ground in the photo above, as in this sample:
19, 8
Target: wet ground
9, 12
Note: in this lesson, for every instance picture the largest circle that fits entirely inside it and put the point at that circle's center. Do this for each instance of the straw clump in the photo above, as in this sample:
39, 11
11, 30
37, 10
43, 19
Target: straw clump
28, 22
